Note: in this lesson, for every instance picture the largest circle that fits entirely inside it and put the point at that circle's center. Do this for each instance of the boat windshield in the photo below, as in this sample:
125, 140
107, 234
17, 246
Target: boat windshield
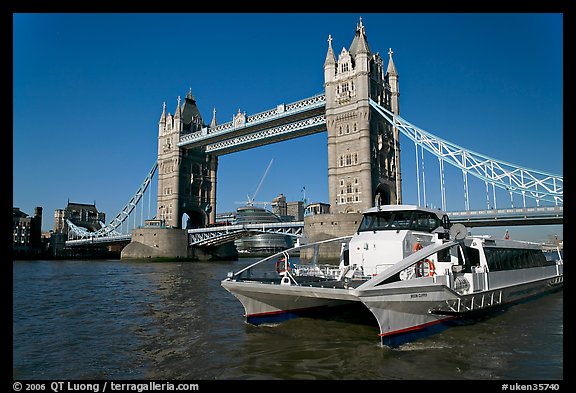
400, 220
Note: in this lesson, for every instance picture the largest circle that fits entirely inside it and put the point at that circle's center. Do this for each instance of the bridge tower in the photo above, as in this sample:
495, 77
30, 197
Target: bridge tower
186, 177
363, 149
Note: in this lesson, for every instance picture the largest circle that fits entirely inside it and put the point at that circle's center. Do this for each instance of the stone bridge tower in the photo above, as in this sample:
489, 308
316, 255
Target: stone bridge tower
186, 177
363, 149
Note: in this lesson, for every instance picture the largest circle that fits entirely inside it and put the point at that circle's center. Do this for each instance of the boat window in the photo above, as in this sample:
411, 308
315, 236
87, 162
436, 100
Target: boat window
444, 255
514, 258
346, 257
386, 220
396, 220
472, 256
427, 221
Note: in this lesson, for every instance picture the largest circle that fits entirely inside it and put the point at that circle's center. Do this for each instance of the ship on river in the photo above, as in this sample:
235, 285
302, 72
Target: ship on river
415, 272
262, 244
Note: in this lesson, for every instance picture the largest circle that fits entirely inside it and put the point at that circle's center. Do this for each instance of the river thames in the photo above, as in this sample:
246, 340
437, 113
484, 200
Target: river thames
120, 320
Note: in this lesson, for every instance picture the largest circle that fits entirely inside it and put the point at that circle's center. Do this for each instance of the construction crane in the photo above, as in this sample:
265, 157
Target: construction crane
251, 201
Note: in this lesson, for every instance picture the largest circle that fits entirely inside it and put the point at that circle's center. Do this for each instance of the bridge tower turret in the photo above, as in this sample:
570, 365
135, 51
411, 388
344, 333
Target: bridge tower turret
186, 177
363, 150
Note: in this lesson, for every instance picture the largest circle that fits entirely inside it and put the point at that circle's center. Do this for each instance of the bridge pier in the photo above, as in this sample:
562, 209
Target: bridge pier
164, 243
328, 226
172, 244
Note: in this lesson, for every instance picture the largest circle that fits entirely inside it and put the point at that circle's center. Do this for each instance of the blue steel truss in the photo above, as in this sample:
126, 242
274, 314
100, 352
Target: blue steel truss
538, 185
109, 230
218, 235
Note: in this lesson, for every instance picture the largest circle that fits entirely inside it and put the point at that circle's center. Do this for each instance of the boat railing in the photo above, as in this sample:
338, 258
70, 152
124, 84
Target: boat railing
286, 255
405, 263
469, 303
560, 260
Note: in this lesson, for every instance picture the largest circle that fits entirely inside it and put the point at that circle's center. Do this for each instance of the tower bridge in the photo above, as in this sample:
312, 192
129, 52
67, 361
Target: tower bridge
359, 109
363, 148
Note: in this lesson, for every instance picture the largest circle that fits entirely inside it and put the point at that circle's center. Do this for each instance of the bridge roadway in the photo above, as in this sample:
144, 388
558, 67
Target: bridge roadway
212, 236
549, 215
99, 240
286, 121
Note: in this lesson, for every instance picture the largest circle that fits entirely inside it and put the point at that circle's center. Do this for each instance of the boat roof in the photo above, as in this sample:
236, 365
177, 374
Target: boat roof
387, 208
491, 241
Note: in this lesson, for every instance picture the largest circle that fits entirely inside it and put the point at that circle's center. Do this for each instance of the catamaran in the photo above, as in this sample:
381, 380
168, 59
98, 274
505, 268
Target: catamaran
416, 273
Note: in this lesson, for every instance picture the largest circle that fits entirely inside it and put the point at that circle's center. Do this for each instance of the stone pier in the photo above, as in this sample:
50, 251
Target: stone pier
172, 244
327, 226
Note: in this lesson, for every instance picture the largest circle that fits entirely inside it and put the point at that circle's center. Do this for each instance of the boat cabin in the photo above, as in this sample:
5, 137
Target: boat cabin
388, 234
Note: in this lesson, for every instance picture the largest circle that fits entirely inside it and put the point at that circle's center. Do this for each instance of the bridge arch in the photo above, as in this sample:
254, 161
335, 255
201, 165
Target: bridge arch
194, 218
382, 195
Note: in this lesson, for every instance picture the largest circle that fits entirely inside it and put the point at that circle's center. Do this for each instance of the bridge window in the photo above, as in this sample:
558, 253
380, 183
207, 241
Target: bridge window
348, 159
355, 158
341, 161
349, 188
344, 87
347, 128
340, 131
354, 127
345, 67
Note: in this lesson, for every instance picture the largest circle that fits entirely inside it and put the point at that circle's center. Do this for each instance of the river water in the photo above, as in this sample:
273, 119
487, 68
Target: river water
119, 320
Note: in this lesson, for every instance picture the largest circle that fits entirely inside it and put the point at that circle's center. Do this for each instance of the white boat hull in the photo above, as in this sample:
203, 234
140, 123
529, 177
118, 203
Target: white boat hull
269, 303
402, 317
402, 313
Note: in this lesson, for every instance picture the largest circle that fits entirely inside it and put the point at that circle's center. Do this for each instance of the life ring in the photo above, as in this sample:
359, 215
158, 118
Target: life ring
282, 266
420, 270
417, 247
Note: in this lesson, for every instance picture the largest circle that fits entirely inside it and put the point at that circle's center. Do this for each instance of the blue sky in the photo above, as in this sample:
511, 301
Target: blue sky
88, 93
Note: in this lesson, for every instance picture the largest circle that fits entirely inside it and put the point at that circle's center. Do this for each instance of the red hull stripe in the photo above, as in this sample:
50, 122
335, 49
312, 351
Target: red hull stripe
417, 327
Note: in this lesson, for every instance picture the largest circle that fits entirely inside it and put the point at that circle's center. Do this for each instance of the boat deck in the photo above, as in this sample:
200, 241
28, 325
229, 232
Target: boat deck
310, 281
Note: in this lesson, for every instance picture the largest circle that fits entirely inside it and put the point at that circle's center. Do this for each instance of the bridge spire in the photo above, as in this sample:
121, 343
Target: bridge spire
189, 95
360, 42
178, 112
330, 57
163, 116
391, 67
213, 123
